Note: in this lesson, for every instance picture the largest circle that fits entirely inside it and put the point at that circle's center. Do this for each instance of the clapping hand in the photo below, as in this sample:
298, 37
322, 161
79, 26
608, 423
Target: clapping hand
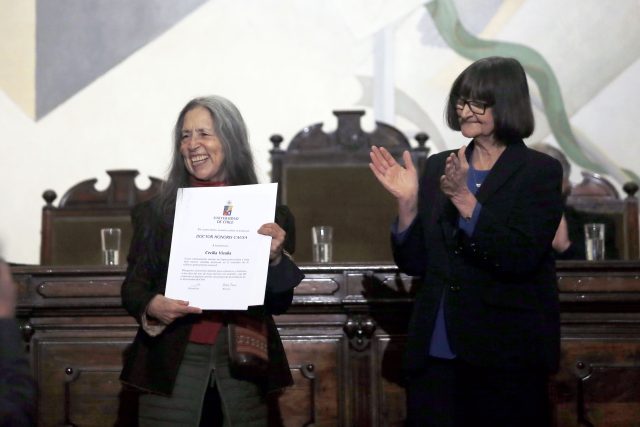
400, 181
454, 181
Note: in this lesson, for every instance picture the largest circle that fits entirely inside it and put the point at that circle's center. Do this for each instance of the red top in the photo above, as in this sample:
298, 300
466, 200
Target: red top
205, 330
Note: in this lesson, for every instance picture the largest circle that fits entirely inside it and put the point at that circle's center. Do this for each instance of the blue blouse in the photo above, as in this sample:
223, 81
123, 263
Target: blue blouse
439, 345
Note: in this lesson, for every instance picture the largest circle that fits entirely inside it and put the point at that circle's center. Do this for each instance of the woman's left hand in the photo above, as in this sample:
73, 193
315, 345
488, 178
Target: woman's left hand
454, 181
277, 240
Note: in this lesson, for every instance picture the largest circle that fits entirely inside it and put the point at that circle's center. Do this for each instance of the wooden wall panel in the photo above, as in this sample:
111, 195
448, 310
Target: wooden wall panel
391, 411
344, 336
599, 382
314, 399
77, 379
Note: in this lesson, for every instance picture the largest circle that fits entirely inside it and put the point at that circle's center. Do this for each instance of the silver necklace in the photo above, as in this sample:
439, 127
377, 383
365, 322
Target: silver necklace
474, 177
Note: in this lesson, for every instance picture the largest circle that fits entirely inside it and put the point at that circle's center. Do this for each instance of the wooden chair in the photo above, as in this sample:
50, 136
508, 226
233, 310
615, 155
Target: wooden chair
596, 197
325, 179
71, 231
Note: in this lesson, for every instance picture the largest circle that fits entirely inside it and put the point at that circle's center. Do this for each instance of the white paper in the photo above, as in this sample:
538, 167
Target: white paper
218, 260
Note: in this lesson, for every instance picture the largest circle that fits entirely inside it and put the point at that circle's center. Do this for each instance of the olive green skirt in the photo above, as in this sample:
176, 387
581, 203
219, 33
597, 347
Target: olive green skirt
243, 403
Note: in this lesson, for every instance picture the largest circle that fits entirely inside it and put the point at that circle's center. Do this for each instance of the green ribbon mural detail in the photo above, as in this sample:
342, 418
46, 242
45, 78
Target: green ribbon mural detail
445, 16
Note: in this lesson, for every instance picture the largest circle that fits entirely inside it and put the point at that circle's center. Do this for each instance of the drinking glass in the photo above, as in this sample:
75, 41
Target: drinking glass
594, 241
110, 245
322, 239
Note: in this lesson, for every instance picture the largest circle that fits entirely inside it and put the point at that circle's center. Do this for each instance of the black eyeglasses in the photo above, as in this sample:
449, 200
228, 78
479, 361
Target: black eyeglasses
477, 107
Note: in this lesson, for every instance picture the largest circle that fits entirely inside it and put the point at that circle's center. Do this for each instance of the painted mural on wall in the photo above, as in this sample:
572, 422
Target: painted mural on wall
77, 41
92, 85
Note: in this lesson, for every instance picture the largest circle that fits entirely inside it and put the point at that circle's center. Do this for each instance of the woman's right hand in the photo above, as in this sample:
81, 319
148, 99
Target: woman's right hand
561, 241
7, 292
166, 310
400, 181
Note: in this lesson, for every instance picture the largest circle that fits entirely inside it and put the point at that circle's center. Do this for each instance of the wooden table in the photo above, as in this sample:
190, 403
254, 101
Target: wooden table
343, 335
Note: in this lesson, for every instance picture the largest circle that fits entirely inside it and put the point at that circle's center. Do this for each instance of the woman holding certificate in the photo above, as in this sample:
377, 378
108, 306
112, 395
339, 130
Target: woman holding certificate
181, 356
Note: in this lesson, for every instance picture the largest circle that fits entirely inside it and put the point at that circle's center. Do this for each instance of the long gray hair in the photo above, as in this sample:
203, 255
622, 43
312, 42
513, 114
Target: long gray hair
231, 130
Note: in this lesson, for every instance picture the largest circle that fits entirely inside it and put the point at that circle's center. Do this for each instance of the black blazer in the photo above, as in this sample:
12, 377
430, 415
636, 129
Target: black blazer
499, 285
151, 363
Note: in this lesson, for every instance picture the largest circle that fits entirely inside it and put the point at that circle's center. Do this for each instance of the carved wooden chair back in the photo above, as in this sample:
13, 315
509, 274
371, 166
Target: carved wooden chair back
325, 179
70, 232
596, 197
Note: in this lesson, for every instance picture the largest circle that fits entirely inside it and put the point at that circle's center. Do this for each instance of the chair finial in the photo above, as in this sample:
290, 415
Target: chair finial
630, 188
421, 138
49, 196
276, 140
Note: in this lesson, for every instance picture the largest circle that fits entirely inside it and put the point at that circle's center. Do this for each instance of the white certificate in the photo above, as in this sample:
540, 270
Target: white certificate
218, 260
